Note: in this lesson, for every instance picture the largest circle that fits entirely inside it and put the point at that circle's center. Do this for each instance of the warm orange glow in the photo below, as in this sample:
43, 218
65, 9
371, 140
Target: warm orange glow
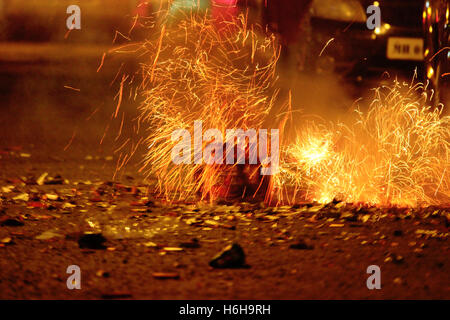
196, 71
430, 72
395, 153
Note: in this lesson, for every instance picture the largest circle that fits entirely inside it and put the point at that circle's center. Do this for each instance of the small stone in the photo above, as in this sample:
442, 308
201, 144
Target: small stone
301, 245
55, 180
10, 222
193, 244
349, 216
232, 256
92, 241
102, 274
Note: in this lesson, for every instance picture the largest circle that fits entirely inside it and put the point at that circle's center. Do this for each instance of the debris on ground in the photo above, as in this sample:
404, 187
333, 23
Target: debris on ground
48, 235
166, 275
232, 256
192, 244
92, 241
10, 222
302, 244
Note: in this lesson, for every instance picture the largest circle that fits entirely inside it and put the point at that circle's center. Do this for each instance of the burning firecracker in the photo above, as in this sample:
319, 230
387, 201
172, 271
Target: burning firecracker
223, 76
395, 153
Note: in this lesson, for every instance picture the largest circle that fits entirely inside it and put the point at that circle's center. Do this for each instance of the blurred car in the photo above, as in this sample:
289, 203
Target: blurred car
338, 39
341, 42
413, 38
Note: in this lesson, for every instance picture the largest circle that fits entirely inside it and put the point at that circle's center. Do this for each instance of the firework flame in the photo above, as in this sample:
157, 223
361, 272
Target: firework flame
396, 153
222, 76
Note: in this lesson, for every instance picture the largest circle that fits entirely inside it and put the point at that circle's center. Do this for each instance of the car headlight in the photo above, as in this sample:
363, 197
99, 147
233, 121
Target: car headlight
342, 10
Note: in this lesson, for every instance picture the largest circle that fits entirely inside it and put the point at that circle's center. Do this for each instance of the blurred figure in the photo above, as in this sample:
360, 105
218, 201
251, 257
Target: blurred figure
290, 20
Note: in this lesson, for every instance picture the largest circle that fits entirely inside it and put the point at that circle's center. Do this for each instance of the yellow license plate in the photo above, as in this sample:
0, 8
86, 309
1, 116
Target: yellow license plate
405, 48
